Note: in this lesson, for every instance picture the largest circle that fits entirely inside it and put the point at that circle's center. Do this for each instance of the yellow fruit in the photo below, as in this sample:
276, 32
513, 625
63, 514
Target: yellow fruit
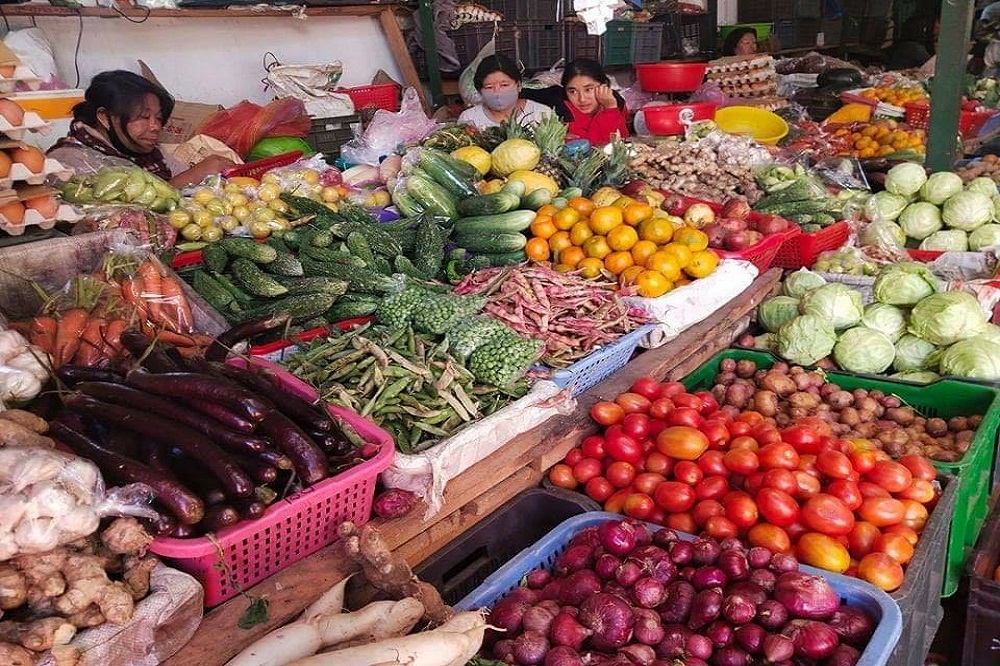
571, 256
665, 264
537, 249
652, 284
605, 218
203, 195
596, 246
617, 262
642, 250
543, 227
243, 181
629, 275
565, 219
580, 233
475, 156
656, 229
637, 212
534, 181
622, 238
695, 239
590, 267
680, 252
702, 264
515, 155
559, 241
605, 196
491, 186
179, 219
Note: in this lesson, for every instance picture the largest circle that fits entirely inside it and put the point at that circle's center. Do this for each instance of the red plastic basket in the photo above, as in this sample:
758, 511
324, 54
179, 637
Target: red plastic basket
763, 254
258, 168
242, 556
969, 122
801, 251
379, 96
305, 336
925, 256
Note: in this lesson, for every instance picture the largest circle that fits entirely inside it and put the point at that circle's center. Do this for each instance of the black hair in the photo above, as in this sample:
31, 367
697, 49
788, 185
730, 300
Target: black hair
495, 63
584, 67
733, 38
121, 94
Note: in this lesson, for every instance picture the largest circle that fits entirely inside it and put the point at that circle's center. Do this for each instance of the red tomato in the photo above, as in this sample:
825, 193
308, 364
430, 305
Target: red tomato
658, 517
741, 509
881, 571
778, 456
674, 496
586, 469
684, 416
656, 426
819, 550
871, 490
803, 438
807, 485
847, 492
647, 482
717, 433
769, 536
745, 442
712, 463
562, 476
895, 546
765, 433
682, 522
807, 463
781, 479
740, 429
688, 472
706, 509
599, 489
682, 442
593, 447
658, 463
827, 515
741, 461
915, 515
908, 533
646, 386
882, 511
688, 400
636, 426
633, 402
670, 389
620, 474
639, 505
616, 503
817, 425
720, 527
863, 460
623, 447
606, 412
573, 457
778, 507
920, 467
920, 490
661, 407
712, 487
890, 475
708, 402
752, 417
834, 464
753, 483
861, 539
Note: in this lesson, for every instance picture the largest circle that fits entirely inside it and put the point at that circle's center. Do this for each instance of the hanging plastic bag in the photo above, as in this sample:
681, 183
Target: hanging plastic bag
466, 81
388, 130
313, 84
240, 127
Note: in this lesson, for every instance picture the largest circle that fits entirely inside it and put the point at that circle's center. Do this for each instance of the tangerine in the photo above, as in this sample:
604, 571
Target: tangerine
580, 232
596, 246
703, 264
616, 262
565, 219
559, 241
543, 227
652, 283
657, 229
590, 267
605, 218
681, 252
635, 213
629, 275
537, 249
571, 256
622, 238
642, 250
664, 263
582, 205
695, 239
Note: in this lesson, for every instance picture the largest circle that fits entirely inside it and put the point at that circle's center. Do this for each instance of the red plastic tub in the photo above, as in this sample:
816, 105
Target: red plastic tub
802, 250
670, 119
670, 76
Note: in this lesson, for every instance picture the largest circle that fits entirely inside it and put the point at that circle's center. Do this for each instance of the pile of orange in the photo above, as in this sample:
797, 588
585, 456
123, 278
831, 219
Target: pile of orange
627, 240
881, 138
896, 95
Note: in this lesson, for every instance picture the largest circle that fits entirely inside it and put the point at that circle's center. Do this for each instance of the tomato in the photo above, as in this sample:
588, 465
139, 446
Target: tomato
807, 463
740, 429
586, 469
658, 517
593, 447
741, 509
688, 400
751, 417
573, 457
753, 483
863, 460
712, 463
769, 536
717, 433
882, 511
674, 496
915, 515
684, 416
656, 426
636, 426
890, 475
599, 489
670, 389
720, 527
708, 402
682, 442
847, 492
861, 539
796, 530
778, 456
745, 442
661, 407
712, 487
871, 490
562, 475
817, 425
623, 447
834, 464
828, 515
647, 387
895, 546
606, 412
633, 402
778, 507
780, 479
741, 461
639, 505
658, 463
688, 472
807, 485
908, 533
616, 503
765, 434
705, 509
647, 482
920, 467
920, 490
819, 550
620, 474
881, 571
682, 522
803, 438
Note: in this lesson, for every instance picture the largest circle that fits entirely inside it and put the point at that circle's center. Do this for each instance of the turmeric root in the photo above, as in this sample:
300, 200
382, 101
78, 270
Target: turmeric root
13, 587
126, 536
137, 573
38, 635
88, 583
15, 655
15, 434
26, 419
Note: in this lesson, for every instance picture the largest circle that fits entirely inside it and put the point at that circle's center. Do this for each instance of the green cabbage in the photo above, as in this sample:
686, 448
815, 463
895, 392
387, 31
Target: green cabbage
905, 179
886, 319
913, 354
944, 319
839, 304
885, 206
991, 333
946, 240
776, 311
883, 234
940, 186
975, 358
905, 283
985, 236
967, 211
919, 220
983, 185
806, 339
863, 349
801, 282
917, 376
279, 145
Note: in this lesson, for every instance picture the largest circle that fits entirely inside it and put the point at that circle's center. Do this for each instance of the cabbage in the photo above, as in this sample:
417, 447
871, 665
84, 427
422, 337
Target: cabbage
805, 339
776, 311
882, 234
940, 186
985, 236
886, 319
885, 206
967, 211
912, 354
983, 185
905, 283
862, 349
944, 319
839, 304
919, 220
976, 358
946, 240
801, 282
279, 145
991, 333
917, 376
906, 179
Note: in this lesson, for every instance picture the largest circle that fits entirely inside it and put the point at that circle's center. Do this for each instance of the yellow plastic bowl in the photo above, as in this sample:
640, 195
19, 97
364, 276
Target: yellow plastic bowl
765, 127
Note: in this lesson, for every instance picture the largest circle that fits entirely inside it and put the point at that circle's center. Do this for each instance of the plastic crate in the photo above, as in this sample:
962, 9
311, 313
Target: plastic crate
241, 556
647, 42
868, 8
753, 11
763, 254
258, 168
832, 30
600, 363
578, 43
616, 48
697, 32
801, 251
969, 122
377, 96
464, 563
944, 398
539, 45
982, 620
328, 135
543, 554
551, 11
470, 39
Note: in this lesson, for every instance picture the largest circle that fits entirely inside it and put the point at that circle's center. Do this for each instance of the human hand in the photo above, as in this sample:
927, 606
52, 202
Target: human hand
606, 97
216, 163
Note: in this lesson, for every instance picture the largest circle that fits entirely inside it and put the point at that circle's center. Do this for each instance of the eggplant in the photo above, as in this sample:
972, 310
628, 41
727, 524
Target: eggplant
194, 388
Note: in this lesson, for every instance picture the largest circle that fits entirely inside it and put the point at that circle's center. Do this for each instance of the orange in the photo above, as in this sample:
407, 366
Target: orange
596, 246
580, 232
665, 264
547, 209
616, 262
565, 219
635, 213
652, 284
559, 241
681, 252
590, 267
571, 256
542, 227
582, 205
563, 268
623, 202
695, 239
629, 275
537, 249
642, 250
622, 238
605, 218
657, 229
702, 264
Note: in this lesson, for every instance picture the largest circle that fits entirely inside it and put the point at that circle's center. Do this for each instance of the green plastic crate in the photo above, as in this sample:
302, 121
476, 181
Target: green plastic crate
763, 29
944, 398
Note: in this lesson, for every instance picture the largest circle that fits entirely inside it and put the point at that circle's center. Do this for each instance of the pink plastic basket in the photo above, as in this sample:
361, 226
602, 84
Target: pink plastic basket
290, 529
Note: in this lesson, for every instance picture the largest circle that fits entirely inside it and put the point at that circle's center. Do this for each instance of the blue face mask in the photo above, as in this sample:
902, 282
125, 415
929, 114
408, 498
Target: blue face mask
500, 100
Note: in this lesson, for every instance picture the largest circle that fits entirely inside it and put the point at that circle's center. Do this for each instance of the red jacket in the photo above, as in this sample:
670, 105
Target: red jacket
600, 127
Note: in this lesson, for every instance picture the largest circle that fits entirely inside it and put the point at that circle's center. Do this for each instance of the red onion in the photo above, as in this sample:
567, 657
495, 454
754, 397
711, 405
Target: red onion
731, 543
738, 609
572, 611
524, 594
695, 661
734, 564
664, 571
753, 592
572, 559
763, 578
588, 537
648, 555
705, 608
813, 640
610, 618
750, 637
628, 573
504, 650
563, 656
730, 656
578, 586
612, 587
648, 629
643, 536
772, 615
806, 596
565, 630
778, 648
720, 633
705, 551
782, 562
617, 536
759, 557
538, 579
551, 604
708, 576
648, 593
681, 552
394, 503
852, 625
508, 613
677, 605
687, 573
530, 648
698, 645
844, 655
663, 538
640, 655
606, 565
538, 618
552, 590
674, 643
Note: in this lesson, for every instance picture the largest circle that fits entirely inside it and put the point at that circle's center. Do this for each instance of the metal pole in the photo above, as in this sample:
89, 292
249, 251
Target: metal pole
948, 84
430, 51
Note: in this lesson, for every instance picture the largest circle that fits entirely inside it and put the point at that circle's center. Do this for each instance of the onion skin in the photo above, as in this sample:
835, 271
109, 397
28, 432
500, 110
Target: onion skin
730, 656
663, 538
759, 557
606, 566
648, 629
813, 640
772, 615
708, 576
563, 656
734, 565
617, 537
677, 605
538, 618
567, 632
628, 573
530, 648
738, 609
610, 618
578, 586
753, 592
852, 626
719, 633
750, 637
699, 646
574, 558
778, 648
681, 552
705, 551
674, 643
706, 608
508, 613
805, 596
538, 579
648, 593
844, 655
640, 655
763, 578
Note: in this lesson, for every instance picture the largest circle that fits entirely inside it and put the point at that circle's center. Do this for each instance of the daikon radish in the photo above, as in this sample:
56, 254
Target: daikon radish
464, 621
398, 621
331, 603
430, 648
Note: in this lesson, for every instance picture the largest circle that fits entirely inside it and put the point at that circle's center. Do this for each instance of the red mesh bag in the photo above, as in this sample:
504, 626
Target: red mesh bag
240, 127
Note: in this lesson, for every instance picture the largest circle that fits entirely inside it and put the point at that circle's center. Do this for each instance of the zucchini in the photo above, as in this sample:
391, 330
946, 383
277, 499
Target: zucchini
213, 292
357, 243
359, 279
255, 281
517, 220
506, 258
497, 243
248, 249
437, 167
301, 307
536, 199
314, 285
488, 204
461, 167
285, 264
431, 196
239, 296
350, 308
215, 258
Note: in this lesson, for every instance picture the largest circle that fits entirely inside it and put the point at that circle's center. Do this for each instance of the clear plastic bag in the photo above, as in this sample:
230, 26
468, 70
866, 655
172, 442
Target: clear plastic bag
388, 130
240, 127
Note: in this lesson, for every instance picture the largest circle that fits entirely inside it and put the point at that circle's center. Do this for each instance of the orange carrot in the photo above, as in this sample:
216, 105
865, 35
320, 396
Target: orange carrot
91, 343
43, 332
131, 290
174, 293
152, 291
112, 338
71, 325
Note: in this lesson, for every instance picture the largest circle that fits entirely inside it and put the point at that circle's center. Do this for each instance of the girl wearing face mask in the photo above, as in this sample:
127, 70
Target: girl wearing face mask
499, 84
119, 124
593, 111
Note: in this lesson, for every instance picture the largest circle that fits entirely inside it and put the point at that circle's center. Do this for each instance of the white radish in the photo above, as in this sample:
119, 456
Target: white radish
476, 632
398, 621
461, 622
430, 648
331, 603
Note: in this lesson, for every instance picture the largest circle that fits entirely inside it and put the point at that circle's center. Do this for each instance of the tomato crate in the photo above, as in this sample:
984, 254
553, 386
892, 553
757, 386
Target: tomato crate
802, 250
763, 254
944, 398
601, 362
982, 620
578, 43
885, 612
918, 115
238, 557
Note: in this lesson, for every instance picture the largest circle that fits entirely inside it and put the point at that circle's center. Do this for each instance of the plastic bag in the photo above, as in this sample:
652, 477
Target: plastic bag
709, 92
35, 51
388, 130
145, 228
466, 81
314, 85
242, 126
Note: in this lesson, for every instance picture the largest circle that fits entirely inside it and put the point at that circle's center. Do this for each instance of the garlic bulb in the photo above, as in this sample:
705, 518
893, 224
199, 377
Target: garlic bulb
78, 522
48, 500
12, 344
32, 360
11, 512
18, 385
37, 536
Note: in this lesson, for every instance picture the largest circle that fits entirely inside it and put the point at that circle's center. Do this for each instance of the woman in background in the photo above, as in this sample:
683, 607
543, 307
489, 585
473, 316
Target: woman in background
741, 41
499, 84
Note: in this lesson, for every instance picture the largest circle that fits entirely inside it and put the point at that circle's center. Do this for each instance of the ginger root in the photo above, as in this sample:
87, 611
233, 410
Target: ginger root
137, 573
13, 587
15, 434
38, 635
15, 655
126, 536
43, 575
88, 583
66, 655
26, 419
91, 616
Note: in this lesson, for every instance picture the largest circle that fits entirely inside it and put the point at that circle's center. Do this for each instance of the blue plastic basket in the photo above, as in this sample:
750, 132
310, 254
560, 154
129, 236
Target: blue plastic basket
600, 363
853, 592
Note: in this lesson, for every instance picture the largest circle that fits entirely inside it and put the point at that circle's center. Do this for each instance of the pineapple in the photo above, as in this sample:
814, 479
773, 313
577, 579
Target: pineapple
616, 172
550, 135
511, 128
583, 169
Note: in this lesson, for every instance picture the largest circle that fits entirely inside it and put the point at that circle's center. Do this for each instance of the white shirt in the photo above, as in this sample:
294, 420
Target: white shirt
477, 115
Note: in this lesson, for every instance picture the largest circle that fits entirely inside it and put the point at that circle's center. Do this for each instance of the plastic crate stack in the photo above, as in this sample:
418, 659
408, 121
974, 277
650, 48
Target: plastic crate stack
797, 23
866, 22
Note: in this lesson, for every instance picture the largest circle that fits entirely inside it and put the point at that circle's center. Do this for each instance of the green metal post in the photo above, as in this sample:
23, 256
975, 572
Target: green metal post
430, 51
949, 77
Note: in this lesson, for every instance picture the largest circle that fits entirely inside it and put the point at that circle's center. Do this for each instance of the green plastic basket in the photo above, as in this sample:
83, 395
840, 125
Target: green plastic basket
944, 398
763, 29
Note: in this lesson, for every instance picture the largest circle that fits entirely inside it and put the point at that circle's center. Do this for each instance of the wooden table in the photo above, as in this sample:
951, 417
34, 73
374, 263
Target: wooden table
474, 494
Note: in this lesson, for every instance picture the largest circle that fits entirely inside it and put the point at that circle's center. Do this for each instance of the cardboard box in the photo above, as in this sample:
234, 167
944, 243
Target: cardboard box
187, 116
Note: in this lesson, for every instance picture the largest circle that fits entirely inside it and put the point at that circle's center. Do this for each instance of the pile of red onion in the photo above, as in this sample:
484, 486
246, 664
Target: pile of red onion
623, 595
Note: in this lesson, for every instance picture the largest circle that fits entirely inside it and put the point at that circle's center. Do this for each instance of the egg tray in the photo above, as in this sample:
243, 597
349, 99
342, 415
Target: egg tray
20, 174
32, 218
22, 74
32, 123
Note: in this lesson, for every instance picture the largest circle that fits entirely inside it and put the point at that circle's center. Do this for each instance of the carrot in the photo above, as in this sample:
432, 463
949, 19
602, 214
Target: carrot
131, 295
152, 291
91, 348
43, 332
112, 337
174, 296
71, 325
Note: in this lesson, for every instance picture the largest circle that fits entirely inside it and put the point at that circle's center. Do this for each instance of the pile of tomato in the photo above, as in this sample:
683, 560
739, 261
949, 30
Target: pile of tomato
677, 459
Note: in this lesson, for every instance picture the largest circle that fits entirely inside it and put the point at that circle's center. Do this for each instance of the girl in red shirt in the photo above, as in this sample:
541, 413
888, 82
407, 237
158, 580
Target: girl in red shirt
595, 112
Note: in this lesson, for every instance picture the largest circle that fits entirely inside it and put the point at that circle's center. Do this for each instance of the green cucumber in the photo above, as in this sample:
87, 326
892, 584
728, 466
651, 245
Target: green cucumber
488, 204
506, 258
517, 220
497, 243
536, 199
570, 193
445, 174
433, 197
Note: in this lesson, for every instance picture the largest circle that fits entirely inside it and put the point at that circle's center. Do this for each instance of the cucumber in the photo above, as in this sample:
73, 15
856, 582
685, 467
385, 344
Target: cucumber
285, 264
248, 249
406, 204
301, 307
437, 167
434, 198
314, 285
213, 292
506, 258
515, 187
215, 258
496, 243
536, 199
255, 281
350, 308
488, 204
517, 220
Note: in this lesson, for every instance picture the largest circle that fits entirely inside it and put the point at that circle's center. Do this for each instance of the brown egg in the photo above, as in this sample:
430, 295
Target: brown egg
13, 212
4, 164
12, 112
32, 158
47, 205
7, 71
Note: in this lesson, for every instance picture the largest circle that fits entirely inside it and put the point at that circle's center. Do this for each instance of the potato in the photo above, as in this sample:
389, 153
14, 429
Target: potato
936, 427
804, 400
778, 383
975, 420
782, 420
719, 393
828, 389
849, 416
860, 394
867, 404
765, 402
798, 413
866, 415
958, 423
797, 370
891, 402
745, 369
802, 382
840, 399
738, 395
902, 415
726, 378
727, 365
965, 436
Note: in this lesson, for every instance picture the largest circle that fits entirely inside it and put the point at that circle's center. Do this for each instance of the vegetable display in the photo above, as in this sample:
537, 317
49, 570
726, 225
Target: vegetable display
122, 185
800, 196
625, 593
